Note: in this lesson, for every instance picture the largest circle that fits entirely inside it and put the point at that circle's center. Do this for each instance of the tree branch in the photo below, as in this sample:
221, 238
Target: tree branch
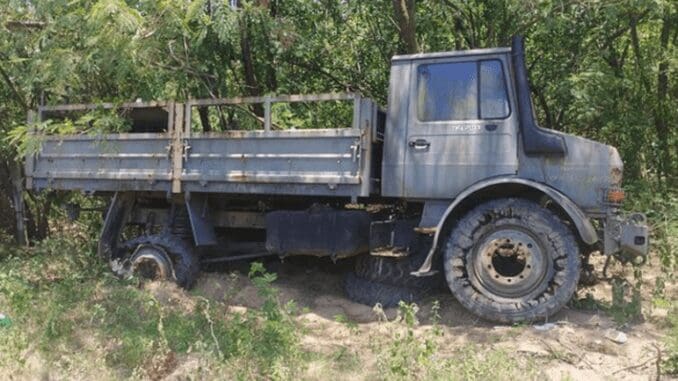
17, 96
25, 24
404, 14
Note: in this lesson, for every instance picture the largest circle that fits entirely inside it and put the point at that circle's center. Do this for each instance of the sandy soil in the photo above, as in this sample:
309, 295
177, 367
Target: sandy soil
577, 346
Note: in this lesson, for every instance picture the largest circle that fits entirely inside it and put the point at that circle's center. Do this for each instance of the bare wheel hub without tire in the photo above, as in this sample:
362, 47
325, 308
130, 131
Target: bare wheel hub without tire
151, 262
510, 263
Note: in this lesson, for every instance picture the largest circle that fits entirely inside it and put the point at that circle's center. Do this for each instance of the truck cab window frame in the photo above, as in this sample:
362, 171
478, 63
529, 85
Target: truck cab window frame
462, 91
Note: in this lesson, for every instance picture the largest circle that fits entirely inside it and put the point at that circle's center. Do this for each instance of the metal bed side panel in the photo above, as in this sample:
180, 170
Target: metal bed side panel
113, 162
310, 162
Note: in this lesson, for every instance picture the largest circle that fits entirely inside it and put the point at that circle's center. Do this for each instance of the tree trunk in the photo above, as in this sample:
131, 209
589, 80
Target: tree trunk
43, 221
252, 87
404, 16
662, 109
18, 203
204, 119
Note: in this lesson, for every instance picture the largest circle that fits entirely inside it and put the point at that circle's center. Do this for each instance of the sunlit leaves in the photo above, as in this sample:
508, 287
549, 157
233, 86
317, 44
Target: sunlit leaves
586, 76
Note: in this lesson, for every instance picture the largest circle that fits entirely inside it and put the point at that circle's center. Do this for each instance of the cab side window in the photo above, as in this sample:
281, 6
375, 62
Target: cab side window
493, 100
461, 91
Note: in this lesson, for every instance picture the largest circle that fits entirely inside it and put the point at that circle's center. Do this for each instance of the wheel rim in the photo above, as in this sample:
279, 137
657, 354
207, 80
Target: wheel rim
510, 263
151, 262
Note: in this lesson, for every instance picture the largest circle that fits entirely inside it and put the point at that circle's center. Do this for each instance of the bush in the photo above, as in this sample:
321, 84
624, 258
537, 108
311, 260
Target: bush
670, 365
64, 303
660, 204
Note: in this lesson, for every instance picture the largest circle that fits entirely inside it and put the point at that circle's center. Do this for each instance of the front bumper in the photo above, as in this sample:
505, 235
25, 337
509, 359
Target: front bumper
627, 238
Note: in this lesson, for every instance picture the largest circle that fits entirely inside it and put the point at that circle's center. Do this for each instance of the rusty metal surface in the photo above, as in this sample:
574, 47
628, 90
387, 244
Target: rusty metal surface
280, 98
105, 105
333, 162
112, 162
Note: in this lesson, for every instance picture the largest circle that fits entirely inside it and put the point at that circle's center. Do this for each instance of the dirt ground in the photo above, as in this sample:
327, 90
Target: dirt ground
579, 345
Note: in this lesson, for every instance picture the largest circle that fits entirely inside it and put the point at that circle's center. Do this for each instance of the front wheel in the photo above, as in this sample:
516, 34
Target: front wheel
511, 260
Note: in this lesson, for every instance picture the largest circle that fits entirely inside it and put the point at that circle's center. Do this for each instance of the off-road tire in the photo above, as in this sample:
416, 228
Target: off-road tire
184, 260
370, 293
397, 271
554, 251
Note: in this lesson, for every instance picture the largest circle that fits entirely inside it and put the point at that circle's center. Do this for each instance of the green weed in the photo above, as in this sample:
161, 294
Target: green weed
407, 355
62, 301
670, 363
660, 204
343, 319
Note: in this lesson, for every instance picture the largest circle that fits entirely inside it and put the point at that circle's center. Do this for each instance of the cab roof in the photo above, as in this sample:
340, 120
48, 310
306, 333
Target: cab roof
455, 53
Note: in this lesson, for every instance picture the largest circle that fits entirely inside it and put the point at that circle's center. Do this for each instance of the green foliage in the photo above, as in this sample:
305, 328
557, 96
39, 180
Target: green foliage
274, 341
660, 203
59, 293
661, 207
626, 304
407, 355
670, 364
626, 299
27, 139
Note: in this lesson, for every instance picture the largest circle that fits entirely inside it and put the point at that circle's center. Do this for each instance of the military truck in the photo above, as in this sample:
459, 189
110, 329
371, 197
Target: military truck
454, 179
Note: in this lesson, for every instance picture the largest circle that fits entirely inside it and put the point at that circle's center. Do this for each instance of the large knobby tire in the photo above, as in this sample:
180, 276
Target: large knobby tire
511, 260
370, 293
397, 271
185, 264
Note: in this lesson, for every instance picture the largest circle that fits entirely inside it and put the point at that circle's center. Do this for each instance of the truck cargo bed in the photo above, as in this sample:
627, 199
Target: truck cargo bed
321, 162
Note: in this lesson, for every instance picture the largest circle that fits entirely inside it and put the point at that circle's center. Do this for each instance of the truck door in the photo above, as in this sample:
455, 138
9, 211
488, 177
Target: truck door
462, 125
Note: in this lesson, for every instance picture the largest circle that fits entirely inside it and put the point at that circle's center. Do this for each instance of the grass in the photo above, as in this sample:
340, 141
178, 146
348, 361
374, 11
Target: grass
69, 312
406, 355
63, 301
660, 203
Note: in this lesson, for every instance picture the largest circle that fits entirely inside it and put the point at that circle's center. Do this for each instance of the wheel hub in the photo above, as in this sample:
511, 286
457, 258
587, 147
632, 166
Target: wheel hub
151, 262
510, 263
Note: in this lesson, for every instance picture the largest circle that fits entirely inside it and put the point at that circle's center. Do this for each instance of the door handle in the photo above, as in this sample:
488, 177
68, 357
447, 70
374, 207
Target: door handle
419, 144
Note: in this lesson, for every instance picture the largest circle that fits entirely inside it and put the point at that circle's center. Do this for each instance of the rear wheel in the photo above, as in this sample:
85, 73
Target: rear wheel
511, 260
398, 271
365, 291
161, 256
388, 280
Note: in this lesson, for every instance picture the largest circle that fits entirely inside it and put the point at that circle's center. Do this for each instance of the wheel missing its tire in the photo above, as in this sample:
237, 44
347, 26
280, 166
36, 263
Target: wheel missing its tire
151, 262
161, 256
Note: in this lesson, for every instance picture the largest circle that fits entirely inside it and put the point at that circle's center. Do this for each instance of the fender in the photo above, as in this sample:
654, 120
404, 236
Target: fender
586, 230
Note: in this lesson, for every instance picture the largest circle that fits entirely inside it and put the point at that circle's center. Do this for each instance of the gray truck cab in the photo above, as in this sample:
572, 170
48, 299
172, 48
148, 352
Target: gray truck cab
451, 123
460, 125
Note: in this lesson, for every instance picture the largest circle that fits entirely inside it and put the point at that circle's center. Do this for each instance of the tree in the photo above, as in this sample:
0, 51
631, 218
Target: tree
600, 69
